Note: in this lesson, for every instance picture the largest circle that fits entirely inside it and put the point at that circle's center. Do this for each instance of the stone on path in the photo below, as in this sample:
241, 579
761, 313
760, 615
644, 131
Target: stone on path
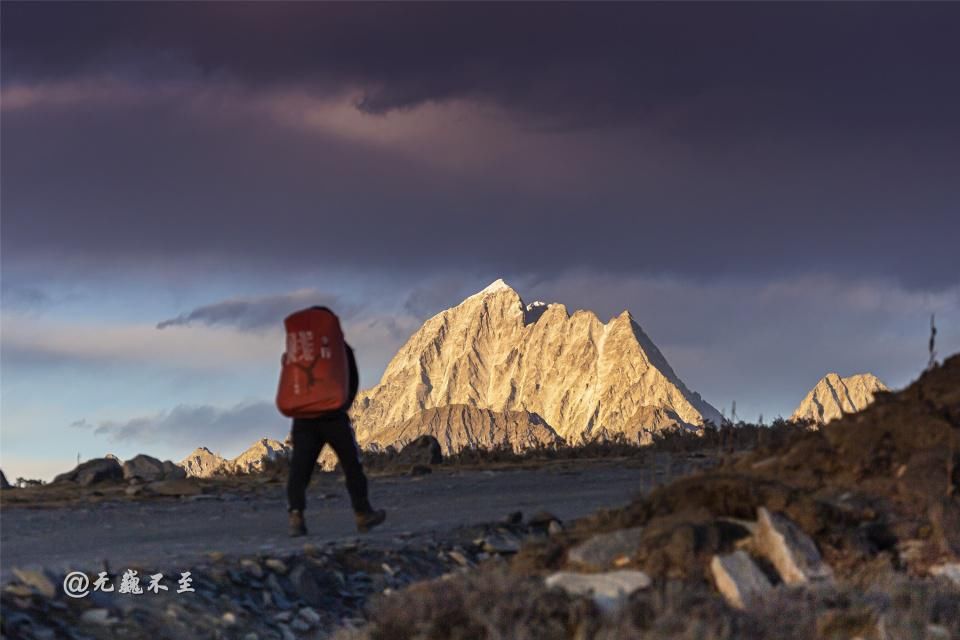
738, 579
602, 550
37, 579
949, 570
608, 590
789, 549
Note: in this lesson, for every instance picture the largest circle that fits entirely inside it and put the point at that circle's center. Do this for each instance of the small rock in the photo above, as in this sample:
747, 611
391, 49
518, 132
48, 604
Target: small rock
283, 616
97, 616
252, 566
602, 550
300, 625
134, 490
311, 616
738, 579
789, 549
608, 590
855, 623
938, 632
501, 543
286, 633
555, 528
229, 618
911, 550
459, 558
19, 590
43, 633
36, 579
215, 556
276, 565
950, 571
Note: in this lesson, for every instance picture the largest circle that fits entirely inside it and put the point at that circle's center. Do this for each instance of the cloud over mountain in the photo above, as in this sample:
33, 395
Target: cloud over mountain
253, 313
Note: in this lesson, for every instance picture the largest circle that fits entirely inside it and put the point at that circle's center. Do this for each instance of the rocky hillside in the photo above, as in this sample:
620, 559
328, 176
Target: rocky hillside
493, 352
834, 396
461, 426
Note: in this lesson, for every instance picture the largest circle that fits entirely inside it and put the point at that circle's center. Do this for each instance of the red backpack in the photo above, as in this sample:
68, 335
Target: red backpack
314, 377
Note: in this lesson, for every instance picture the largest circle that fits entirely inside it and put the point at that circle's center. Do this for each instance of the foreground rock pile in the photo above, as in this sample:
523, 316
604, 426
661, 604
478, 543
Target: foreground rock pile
851, 531
307, 594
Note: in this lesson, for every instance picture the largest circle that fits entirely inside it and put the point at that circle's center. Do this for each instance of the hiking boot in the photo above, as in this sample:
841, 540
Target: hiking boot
297, 526
367, 520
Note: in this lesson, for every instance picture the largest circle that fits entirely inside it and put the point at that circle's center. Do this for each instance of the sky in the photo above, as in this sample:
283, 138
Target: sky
771, 189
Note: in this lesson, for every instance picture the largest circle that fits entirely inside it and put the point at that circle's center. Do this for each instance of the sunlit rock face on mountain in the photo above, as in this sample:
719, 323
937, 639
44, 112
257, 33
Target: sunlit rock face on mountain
493, 352
833, 396
203, 463
461, 426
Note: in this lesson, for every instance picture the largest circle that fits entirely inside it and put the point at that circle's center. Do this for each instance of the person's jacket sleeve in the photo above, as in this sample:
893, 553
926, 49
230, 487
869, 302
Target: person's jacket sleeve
354, 379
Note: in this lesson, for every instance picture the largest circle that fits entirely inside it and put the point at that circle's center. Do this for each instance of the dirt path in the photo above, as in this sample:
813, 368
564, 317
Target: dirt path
168, 532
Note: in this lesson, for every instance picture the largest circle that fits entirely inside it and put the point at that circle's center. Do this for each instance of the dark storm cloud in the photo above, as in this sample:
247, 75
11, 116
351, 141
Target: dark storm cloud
584, 63
689, 138
253, 313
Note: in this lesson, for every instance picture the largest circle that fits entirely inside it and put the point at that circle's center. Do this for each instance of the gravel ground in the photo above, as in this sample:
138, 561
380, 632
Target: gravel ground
174, 531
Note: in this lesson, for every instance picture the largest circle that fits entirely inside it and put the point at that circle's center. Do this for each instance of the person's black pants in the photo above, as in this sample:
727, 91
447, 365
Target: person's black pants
308, 436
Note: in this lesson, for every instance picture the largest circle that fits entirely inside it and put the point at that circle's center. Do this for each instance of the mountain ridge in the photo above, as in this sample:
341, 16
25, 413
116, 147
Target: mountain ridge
494, 352
833, 396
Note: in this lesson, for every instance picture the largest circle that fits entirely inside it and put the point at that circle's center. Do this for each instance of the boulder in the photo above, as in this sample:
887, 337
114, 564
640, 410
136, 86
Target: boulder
608, 590
173, 471
501, 543
789, 549
604, 549
423, 450
144, 467
949, 570
93, 471
38, 579
739, 580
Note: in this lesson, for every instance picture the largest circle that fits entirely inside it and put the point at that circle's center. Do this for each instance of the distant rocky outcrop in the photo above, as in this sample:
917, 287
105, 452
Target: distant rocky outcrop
493, 368
3, 482
203, 463
261, 453
834, 396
